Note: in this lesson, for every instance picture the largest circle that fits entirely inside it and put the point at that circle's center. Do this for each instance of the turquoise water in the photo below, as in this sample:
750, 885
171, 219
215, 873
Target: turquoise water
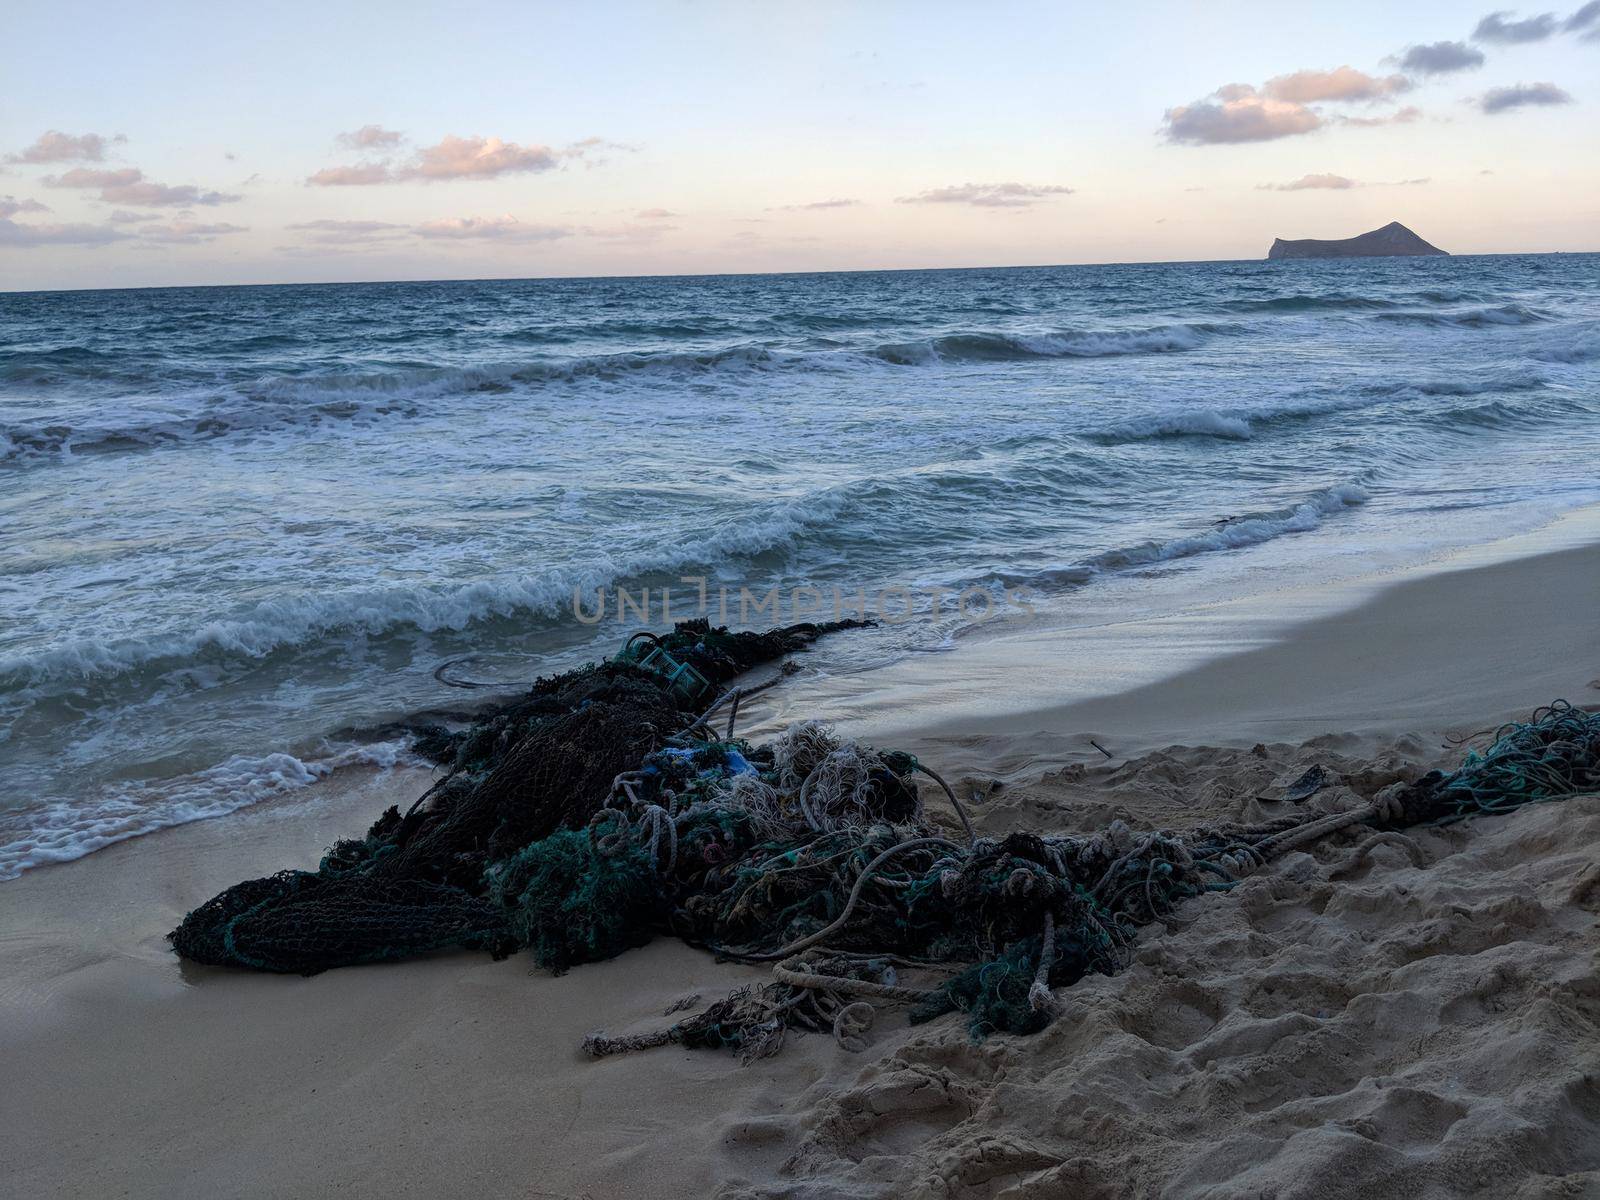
239, 523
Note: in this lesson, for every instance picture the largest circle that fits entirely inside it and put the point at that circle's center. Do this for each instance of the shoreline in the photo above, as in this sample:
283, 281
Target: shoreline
135, 1073
1128, 630
1050, 678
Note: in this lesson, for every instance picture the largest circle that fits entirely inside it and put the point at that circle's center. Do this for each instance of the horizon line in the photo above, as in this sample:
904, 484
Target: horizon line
1154, 262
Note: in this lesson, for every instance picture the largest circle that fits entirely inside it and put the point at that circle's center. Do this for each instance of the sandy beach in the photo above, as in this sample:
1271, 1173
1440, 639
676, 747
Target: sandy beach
1417, 1019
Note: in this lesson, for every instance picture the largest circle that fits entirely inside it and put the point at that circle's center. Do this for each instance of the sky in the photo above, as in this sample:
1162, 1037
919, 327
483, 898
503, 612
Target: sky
177, 144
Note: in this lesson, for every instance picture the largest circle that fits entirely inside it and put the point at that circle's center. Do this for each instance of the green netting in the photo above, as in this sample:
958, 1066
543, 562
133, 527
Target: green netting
577, 823
568, 903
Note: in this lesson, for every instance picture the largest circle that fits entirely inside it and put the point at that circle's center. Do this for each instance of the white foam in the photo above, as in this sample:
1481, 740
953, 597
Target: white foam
1239, 532
63, 830
298, 619
1201, 423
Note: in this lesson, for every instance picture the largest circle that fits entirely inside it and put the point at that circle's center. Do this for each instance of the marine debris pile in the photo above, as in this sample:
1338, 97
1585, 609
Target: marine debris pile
615, 803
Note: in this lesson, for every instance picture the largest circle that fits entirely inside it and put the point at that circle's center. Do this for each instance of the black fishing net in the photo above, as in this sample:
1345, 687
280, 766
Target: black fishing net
522, 772
601, 809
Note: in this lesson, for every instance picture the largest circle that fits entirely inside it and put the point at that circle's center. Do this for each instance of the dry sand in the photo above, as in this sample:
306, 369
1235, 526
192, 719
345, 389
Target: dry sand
1419, 1019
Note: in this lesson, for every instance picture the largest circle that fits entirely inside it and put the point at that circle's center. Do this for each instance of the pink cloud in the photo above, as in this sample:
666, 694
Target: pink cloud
1339, 84
988, 195
656, 214
129, 186
188, 233
13, 233
55, 146
84, 177
506, 228
371, 137
819, 205
628, 233
331, 232
10, 206
479, 158
455, 157
1313, 183
1235, 113
359, 175
1401, 116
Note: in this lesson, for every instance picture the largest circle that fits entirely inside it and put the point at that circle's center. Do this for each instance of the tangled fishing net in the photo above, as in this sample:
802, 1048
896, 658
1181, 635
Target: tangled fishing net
604, 808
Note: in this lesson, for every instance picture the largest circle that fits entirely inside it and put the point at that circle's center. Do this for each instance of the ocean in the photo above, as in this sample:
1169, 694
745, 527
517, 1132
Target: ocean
245, 530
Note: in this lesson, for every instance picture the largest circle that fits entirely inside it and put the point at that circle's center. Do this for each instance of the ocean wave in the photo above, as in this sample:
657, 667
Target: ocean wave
1230, 533
1309, 303
1471, 385
299, 620
63, 830
1583, 346
1199, 423
30, 442
1237, 425
309, 401
990, 346
1468, 318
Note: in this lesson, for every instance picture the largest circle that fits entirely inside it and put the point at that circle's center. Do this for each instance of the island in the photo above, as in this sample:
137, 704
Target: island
1393, 238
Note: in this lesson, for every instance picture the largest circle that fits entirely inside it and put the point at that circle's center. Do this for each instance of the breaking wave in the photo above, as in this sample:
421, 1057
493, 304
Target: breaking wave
298, 620
311, 401
1468, 318
63, 830
1229, 533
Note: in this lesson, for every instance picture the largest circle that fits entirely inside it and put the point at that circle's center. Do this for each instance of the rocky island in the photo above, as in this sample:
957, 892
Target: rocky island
1393, 238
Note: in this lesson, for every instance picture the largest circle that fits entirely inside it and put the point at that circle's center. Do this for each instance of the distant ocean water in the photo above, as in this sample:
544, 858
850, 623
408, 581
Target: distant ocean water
237, 524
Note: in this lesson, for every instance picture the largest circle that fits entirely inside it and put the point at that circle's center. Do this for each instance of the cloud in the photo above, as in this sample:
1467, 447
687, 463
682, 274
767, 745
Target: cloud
14, 234
55, 146
1522, 95
480, 158
129, 186
628, 233
1401, 116
817, 205
1328, 182
357, 176
1495, 28
122, 216
1588, 15
10, 206
662, 214
581, 150
988, 195
506, 228
1312, 182
455, 157
371, 137
1340, 84
83, 177
188, 233
154, 195
333, 233
1238, 113
1440, 58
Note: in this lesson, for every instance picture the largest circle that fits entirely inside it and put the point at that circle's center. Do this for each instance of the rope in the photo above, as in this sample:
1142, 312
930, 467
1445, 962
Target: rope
597, 1045
966, 822
843, 918
794, 973
1387, 837
1040, 998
